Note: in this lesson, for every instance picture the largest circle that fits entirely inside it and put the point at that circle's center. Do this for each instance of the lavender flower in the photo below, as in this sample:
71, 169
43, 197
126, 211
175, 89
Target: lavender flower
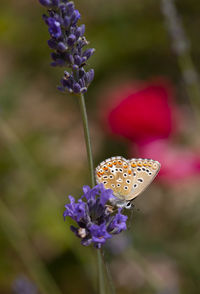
67, 41
97, 220
23, 285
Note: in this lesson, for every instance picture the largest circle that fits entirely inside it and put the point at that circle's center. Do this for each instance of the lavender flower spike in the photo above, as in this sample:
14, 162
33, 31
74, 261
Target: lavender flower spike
67, 42
97, 221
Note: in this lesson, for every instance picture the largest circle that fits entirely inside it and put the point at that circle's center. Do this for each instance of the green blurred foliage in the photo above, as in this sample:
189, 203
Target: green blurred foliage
42, 155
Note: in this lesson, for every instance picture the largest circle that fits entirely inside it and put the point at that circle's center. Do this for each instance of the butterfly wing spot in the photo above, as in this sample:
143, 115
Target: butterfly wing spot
125, 175
104, 182
118, 185
119, 180
120, 170
139, 169
135, 185
128, 181
111, 177
125, 188
133, 165
113, 185
140, 180
105, 177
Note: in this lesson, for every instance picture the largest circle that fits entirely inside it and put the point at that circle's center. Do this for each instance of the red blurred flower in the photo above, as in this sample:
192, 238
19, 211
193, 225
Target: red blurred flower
177, 163
140, 113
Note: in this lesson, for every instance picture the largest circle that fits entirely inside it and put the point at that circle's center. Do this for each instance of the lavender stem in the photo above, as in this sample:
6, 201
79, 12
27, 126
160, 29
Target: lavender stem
181, 47
87, 137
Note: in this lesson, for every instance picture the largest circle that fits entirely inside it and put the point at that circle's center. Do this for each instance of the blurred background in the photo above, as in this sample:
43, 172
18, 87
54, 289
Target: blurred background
144, 102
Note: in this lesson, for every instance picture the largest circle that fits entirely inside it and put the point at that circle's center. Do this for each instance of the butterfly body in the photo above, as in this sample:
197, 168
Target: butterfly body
127, 178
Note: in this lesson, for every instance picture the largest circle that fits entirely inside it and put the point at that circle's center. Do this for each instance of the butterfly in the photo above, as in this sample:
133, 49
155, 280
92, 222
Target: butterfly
127, 178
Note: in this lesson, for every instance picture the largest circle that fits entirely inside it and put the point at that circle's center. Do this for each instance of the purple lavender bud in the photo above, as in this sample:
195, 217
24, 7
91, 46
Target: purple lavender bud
71, 40
76, 88
55, 2
89, 76
54, 56
82, 83
118, 224
83, 90
80, 31
45, 18
66, 74
75, 17
22, 285
75, 67
81, 73
66, 21
61, 89
99, 233
62, 7
62, 47
54, 27
52, 43
69, 8
88, 53
71, 59
66, 83
77, 59
46, 3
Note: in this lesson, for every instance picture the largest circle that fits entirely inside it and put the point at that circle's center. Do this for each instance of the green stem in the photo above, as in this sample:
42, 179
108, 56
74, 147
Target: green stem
87, 138
109, 277
24, 249
101, 283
